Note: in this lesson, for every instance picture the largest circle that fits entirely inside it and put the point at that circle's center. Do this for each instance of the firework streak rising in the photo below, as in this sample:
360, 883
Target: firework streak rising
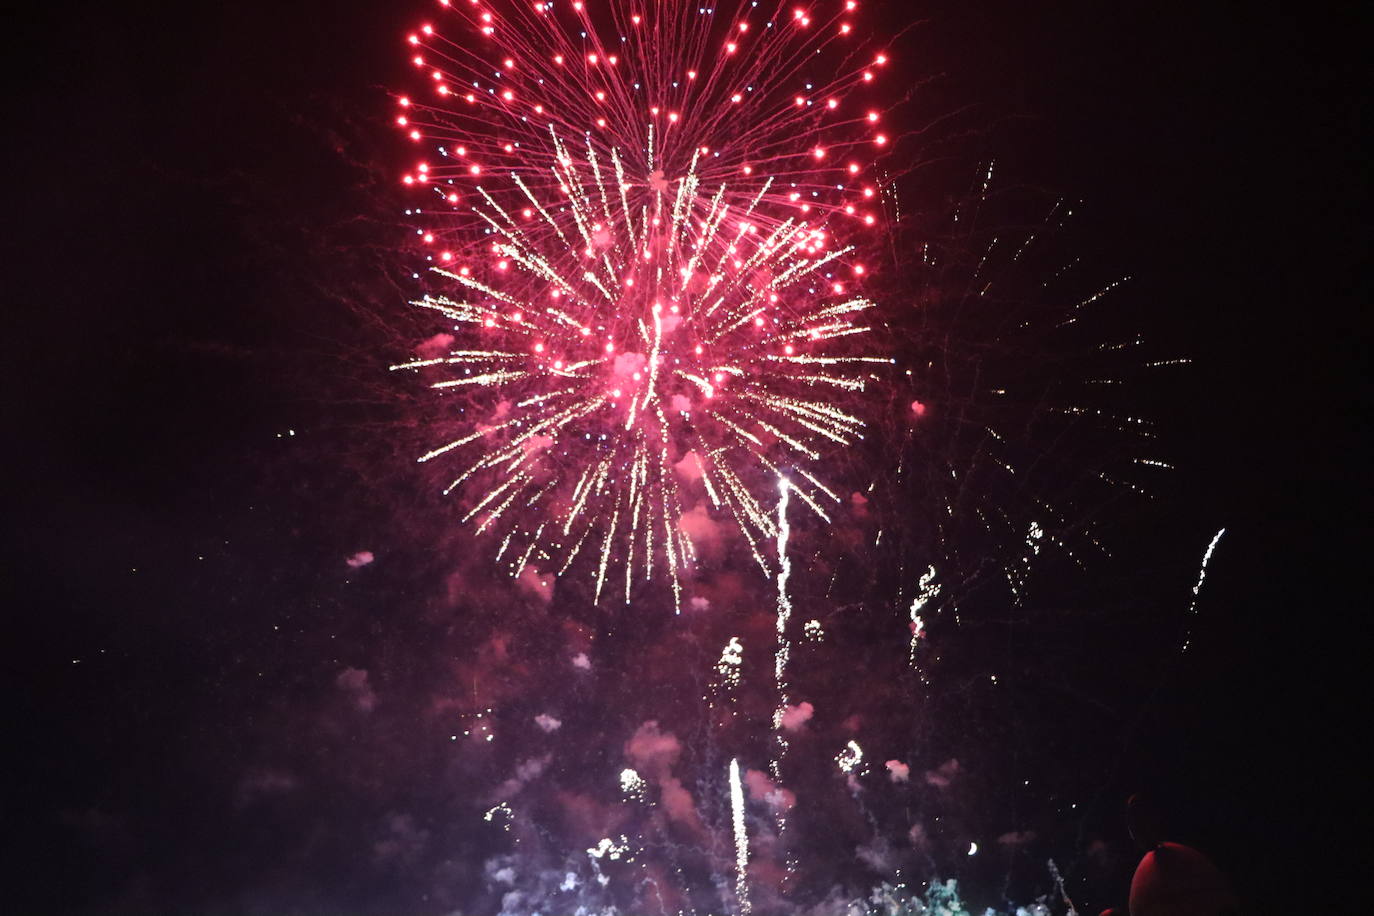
741, 839
634, 231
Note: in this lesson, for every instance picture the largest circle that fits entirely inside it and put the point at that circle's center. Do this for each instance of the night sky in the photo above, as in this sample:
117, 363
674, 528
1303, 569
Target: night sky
214, 711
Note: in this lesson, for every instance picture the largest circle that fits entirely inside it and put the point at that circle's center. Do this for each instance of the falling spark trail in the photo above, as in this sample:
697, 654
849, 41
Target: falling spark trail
784, 614
741, 839
927, 591
1197, 588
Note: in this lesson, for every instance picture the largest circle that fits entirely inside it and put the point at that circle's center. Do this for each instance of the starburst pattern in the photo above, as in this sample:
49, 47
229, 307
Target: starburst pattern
636, 236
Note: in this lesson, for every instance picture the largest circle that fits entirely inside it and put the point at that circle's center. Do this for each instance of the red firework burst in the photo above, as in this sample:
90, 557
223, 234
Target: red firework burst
636, 221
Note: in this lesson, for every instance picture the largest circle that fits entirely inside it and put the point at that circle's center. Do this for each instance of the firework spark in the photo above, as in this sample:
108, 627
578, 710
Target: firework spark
635, 238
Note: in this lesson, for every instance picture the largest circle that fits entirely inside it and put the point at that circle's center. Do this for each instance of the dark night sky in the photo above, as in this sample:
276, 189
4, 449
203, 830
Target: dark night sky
200, 237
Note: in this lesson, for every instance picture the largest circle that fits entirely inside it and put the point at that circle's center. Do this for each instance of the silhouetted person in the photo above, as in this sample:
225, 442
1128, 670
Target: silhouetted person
1172, 879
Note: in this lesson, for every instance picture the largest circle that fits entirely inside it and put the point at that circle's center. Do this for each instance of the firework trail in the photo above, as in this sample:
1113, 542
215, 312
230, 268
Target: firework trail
635, 233
741, 839
784, 649
1197, 587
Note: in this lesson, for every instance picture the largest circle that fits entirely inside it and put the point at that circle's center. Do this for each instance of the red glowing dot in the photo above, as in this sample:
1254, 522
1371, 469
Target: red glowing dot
881, 139
787, 349
539, 348
758, 322
453, 198
490, 322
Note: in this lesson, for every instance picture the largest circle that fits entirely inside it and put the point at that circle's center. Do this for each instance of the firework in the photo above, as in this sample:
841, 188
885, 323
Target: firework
741, 839
637, 230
